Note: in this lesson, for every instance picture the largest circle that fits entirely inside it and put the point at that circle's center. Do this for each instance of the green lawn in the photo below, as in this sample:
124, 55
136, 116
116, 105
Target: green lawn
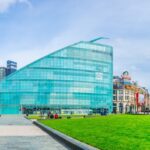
114, 132
34, 117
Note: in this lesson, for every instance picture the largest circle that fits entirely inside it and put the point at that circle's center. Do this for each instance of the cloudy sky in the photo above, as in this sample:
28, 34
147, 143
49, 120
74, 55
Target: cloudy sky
30, 29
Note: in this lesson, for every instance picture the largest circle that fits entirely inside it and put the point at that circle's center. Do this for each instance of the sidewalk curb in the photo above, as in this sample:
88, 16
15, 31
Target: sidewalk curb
70, 142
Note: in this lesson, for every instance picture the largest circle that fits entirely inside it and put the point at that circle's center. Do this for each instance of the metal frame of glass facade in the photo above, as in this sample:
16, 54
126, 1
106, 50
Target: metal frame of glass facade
77, 77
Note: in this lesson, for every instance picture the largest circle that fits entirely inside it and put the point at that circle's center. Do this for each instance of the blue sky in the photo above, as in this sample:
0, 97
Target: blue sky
30, 29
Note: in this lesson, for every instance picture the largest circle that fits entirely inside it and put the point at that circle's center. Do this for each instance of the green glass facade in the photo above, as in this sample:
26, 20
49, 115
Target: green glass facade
77, 78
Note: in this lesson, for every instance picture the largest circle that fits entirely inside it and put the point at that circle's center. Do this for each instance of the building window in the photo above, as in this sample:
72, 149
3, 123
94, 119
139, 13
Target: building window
114, 91
114, 98
127, 97
127, 92
120, 91
120, 98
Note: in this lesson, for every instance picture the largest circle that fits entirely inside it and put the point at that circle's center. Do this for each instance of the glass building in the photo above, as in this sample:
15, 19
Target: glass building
75, 79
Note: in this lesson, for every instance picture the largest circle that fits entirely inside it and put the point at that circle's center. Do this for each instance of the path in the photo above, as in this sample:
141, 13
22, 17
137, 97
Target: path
18, 133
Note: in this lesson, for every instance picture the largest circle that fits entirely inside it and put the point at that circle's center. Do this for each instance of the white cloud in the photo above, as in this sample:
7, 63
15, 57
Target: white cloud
133, 55
6, 4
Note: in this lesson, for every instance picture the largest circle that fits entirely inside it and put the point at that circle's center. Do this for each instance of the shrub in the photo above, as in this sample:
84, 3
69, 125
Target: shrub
60, 117
51, 116
68, 117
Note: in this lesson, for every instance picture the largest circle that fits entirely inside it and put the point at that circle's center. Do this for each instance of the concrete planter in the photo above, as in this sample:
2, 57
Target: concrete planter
73, 144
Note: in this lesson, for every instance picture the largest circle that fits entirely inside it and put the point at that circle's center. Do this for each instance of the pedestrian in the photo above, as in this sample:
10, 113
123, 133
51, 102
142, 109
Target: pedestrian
48, 114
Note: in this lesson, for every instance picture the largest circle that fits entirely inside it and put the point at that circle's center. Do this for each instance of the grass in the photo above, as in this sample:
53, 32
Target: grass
34, 117
114, 132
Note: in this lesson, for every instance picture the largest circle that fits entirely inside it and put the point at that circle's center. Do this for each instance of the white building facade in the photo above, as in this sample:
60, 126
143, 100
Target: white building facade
128, 96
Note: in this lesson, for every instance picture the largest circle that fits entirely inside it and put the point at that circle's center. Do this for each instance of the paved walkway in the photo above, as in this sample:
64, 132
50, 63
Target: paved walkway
18, 133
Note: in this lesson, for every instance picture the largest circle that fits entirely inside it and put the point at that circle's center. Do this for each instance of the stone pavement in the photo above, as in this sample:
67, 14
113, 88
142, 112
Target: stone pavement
18, 133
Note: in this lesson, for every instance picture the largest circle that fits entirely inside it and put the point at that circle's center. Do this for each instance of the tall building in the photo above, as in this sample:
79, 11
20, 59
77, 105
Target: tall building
75, 79
11, 67
128, 96
3, 72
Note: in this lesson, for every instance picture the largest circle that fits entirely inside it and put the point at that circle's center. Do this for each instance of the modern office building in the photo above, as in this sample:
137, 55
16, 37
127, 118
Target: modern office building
11, 67
128, 96
5, 71
75, 79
